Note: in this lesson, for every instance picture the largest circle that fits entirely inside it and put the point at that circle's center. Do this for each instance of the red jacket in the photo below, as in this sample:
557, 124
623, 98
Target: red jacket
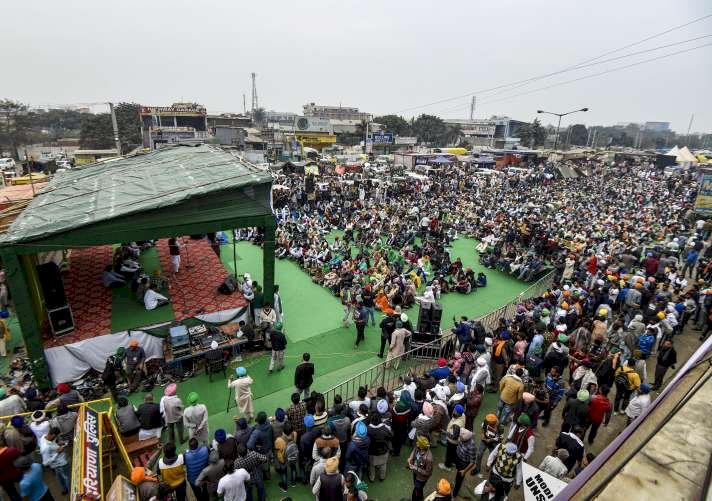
8, 472
598, 408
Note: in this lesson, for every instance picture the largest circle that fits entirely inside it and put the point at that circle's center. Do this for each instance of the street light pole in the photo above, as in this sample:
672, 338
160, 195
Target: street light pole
558, 126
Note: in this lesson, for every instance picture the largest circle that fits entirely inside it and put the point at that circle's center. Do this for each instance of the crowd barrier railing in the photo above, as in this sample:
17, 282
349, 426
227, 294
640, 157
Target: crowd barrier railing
421, 357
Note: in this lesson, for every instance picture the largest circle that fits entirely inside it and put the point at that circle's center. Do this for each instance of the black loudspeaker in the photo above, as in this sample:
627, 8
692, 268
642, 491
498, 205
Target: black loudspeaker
424, 315
436, 313
423, 337
61, 320
52, 286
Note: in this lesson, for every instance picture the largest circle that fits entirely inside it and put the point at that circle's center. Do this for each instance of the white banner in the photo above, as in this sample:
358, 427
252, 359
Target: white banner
539, 486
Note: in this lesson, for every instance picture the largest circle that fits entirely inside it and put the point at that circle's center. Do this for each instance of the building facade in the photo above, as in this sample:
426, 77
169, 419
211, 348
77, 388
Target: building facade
172, 124
334, 112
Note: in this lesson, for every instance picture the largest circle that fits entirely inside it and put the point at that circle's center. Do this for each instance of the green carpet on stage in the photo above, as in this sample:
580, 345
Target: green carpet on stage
310, 309
127, 312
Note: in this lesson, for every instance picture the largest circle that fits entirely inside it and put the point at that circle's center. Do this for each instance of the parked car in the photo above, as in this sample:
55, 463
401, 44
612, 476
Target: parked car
7, 164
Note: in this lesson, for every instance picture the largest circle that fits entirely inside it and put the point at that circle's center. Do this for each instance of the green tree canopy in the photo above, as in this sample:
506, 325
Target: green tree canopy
13, 126
97, 132
129, 122
578, 135
395, 124
431, 130
533, 134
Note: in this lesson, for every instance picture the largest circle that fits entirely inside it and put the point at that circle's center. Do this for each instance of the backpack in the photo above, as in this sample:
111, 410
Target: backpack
291, 453
533, 363
645, 343
623, 380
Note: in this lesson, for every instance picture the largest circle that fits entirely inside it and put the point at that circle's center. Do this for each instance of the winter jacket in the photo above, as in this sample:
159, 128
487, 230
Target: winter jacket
261, 434
195, 461
576, 412
342, 427
304, 375
357, 453
380, 436
511, 389
278, 340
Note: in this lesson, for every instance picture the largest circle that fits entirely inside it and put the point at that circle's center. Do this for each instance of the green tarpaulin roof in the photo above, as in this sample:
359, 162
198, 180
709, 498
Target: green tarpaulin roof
202, 184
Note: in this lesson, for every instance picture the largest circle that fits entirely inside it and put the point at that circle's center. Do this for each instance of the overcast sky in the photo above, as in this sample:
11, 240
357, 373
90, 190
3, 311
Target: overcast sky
383, 57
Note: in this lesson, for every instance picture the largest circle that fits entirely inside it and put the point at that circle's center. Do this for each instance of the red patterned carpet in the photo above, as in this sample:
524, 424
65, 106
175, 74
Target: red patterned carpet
89, 299
194, 290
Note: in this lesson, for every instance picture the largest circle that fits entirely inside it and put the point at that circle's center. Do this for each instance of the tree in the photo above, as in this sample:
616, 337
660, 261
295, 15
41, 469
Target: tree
259, 116
97, 132
398, 125
129, 122
452, 135
578, 135
533, 134
430, 129
13, 126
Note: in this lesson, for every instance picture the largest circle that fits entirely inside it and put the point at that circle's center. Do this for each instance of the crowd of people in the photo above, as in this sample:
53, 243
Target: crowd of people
622, 243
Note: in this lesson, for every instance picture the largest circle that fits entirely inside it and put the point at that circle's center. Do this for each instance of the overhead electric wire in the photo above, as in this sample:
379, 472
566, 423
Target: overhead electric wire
618, 58
563, 70
611, 70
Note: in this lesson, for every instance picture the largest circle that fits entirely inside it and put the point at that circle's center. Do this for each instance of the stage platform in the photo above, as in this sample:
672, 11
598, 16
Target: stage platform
99, 311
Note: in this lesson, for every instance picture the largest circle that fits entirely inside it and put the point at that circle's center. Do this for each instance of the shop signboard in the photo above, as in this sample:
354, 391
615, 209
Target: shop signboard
703, 202
382, 138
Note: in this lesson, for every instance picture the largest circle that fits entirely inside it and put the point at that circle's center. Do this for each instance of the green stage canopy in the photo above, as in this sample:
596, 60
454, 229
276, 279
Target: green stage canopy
177, 190
143, 197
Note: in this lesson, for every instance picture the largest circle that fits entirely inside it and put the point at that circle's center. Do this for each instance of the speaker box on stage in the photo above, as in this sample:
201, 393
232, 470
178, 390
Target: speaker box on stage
425, 313
424, 326
436, 313
52, 287
61, 320
423, 337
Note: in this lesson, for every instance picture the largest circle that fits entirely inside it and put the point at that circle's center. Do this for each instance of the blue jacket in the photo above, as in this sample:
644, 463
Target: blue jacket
261, 433
195, 461
645, 343
440, 373
357, 453
462, 331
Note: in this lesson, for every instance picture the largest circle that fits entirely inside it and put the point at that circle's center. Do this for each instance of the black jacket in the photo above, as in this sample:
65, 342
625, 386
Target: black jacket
149, 415
279, 341
380, 435
667, 357
304, 375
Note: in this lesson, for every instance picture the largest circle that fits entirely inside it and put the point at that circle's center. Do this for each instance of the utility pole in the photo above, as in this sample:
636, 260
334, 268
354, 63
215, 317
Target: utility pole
255, 105
588, 139
244, 105
689, 126
472, 107
115, 125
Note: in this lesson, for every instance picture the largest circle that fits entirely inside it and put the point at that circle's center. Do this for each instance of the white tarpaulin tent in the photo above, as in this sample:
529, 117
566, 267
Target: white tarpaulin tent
686, 155
682, 155
70, 362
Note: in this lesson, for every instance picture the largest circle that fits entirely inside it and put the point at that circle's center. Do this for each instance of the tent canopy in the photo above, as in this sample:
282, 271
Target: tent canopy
143, 197
180, 190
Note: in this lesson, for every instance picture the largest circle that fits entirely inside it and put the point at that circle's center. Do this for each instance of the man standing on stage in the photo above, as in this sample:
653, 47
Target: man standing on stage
360, 319
174, 251
135, 363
